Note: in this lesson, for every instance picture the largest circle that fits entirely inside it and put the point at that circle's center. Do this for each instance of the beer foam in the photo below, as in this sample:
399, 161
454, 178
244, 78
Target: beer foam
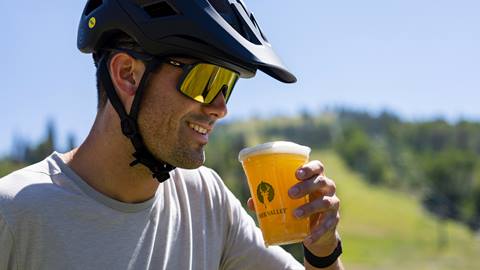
278, 147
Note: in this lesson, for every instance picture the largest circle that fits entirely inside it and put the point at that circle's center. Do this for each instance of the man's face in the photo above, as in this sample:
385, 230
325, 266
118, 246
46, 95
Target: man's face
174, 127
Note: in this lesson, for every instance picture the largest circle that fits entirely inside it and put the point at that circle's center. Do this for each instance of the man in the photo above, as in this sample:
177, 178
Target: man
165, 71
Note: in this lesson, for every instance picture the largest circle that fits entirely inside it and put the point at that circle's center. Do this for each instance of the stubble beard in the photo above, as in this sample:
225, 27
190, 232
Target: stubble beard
187, 156
178, 152
172, 147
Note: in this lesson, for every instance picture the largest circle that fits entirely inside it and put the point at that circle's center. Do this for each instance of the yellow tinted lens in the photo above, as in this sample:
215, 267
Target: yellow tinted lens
205, 81
196, 82
224, 80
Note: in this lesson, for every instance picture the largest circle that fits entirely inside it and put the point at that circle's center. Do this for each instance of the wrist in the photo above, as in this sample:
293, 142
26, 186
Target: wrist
325, 246
323, 261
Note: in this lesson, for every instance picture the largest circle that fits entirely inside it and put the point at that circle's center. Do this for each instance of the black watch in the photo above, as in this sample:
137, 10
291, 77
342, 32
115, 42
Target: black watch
322, 262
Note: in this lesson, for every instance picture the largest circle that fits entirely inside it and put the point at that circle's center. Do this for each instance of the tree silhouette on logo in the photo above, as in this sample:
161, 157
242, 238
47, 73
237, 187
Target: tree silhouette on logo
265, 193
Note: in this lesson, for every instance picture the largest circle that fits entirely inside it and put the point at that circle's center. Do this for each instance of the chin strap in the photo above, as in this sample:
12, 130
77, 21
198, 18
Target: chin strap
160, 169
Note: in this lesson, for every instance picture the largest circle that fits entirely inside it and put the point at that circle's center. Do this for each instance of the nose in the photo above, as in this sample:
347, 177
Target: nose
218, 107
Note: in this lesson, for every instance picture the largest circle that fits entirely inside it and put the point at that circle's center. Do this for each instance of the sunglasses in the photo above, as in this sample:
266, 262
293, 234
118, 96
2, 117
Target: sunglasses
200, 81
203, 82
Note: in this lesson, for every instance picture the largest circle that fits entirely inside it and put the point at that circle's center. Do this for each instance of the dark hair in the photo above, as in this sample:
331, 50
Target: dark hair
118, 40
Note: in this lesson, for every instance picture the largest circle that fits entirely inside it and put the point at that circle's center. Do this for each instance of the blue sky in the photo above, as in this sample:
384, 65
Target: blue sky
420, 59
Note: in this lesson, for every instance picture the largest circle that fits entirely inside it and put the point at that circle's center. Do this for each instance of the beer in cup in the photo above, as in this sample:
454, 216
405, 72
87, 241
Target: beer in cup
270, 170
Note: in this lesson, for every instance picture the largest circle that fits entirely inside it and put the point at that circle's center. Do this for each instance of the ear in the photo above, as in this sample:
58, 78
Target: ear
126, 73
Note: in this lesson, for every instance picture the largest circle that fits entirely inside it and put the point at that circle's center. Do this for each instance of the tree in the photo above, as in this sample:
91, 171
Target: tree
44, 148
71, 142
450, 181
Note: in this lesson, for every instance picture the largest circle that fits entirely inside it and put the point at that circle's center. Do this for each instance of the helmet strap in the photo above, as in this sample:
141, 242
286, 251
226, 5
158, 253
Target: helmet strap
160, 169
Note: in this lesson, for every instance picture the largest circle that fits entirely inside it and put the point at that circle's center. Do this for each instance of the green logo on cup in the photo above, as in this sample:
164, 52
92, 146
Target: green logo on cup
265, 193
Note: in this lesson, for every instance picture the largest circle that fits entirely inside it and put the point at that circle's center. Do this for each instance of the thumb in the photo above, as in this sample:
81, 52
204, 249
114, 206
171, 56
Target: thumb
250, 204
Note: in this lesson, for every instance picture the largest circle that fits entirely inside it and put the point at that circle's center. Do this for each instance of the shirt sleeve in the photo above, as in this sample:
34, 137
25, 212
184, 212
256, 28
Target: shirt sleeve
7, 260
245, 248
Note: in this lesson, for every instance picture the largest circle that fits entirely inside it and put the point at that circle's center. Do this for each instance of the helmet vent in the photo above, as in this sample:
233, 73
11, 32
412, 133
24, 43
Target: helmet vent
252, 18
161, 9
92, 5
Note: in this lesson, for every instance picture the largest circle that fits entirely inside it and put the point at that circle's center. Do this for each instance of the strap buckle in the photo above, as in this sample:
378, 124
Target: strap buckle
129, 127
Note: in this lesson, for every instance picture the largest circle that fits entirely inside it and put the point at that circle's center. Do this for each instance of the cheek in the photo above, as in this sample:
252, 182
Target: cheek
165, 109
161, 114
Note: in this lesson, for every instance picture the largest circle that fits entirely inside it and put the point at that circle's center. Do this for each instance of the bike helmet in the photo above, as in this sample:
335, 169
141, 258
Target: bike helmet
221, 32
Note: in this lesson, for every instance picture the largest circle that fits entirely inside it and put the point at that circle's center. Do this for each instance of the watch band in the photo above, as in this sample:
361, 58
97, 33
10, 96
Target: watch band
322, 262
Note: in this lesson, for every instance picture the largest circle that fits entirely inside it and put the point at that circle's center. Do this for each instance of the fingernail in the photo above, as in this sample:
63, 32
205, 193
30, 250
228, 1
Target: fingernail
299, 213
294, 191
329, 223
301, 173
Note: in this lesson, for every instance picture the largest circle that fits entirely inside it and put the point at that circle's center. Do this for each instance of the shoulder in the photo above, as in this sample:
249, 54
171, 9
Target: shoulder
16, 181
25, 187
201, 183
200, 178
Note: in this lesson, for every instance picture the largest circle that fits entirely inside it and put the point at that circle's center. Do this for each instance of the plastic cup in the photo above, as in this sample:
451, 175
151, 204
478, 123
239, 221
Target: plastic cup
270, 170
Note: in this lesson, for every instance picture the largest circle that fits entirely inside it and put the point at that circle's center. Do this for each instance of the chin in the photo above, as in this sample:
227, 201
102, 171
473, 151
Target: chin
192, 161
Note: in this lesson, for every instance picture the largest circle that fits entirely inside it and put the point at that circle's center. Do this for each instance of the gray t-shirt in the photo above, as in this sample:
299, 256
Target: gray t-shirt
51, 219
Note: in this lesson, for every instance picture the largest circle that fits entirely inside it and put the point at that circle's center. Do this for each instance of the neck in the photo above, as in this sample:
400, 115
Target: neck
103, 162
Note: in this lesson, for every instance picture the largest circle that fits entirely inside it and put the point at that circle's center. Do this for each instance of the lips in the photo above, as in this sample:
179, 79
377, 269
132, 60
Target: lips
198, 128
201, 131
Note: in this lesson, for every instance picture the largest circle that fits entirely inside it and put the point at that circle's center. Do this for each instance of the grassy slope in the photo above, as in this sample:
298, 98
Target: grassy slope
383, 229
7, 167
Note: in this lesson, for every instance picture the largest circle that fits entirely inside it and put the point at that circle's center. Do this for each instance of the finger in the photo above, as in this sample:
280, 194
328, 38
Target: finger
312, 168
319, 185
316, 219
319, 205
327, 227
322, 219
250, 204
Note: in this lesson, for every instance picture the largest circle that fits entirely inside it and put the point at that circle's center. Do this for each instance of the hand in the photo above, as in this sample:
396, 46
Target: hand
323, 208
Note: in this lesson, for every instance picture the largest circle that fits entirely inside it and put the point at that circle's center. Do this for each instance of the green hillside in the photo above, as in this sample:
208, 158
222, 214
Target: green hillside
7, 167
384, 229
